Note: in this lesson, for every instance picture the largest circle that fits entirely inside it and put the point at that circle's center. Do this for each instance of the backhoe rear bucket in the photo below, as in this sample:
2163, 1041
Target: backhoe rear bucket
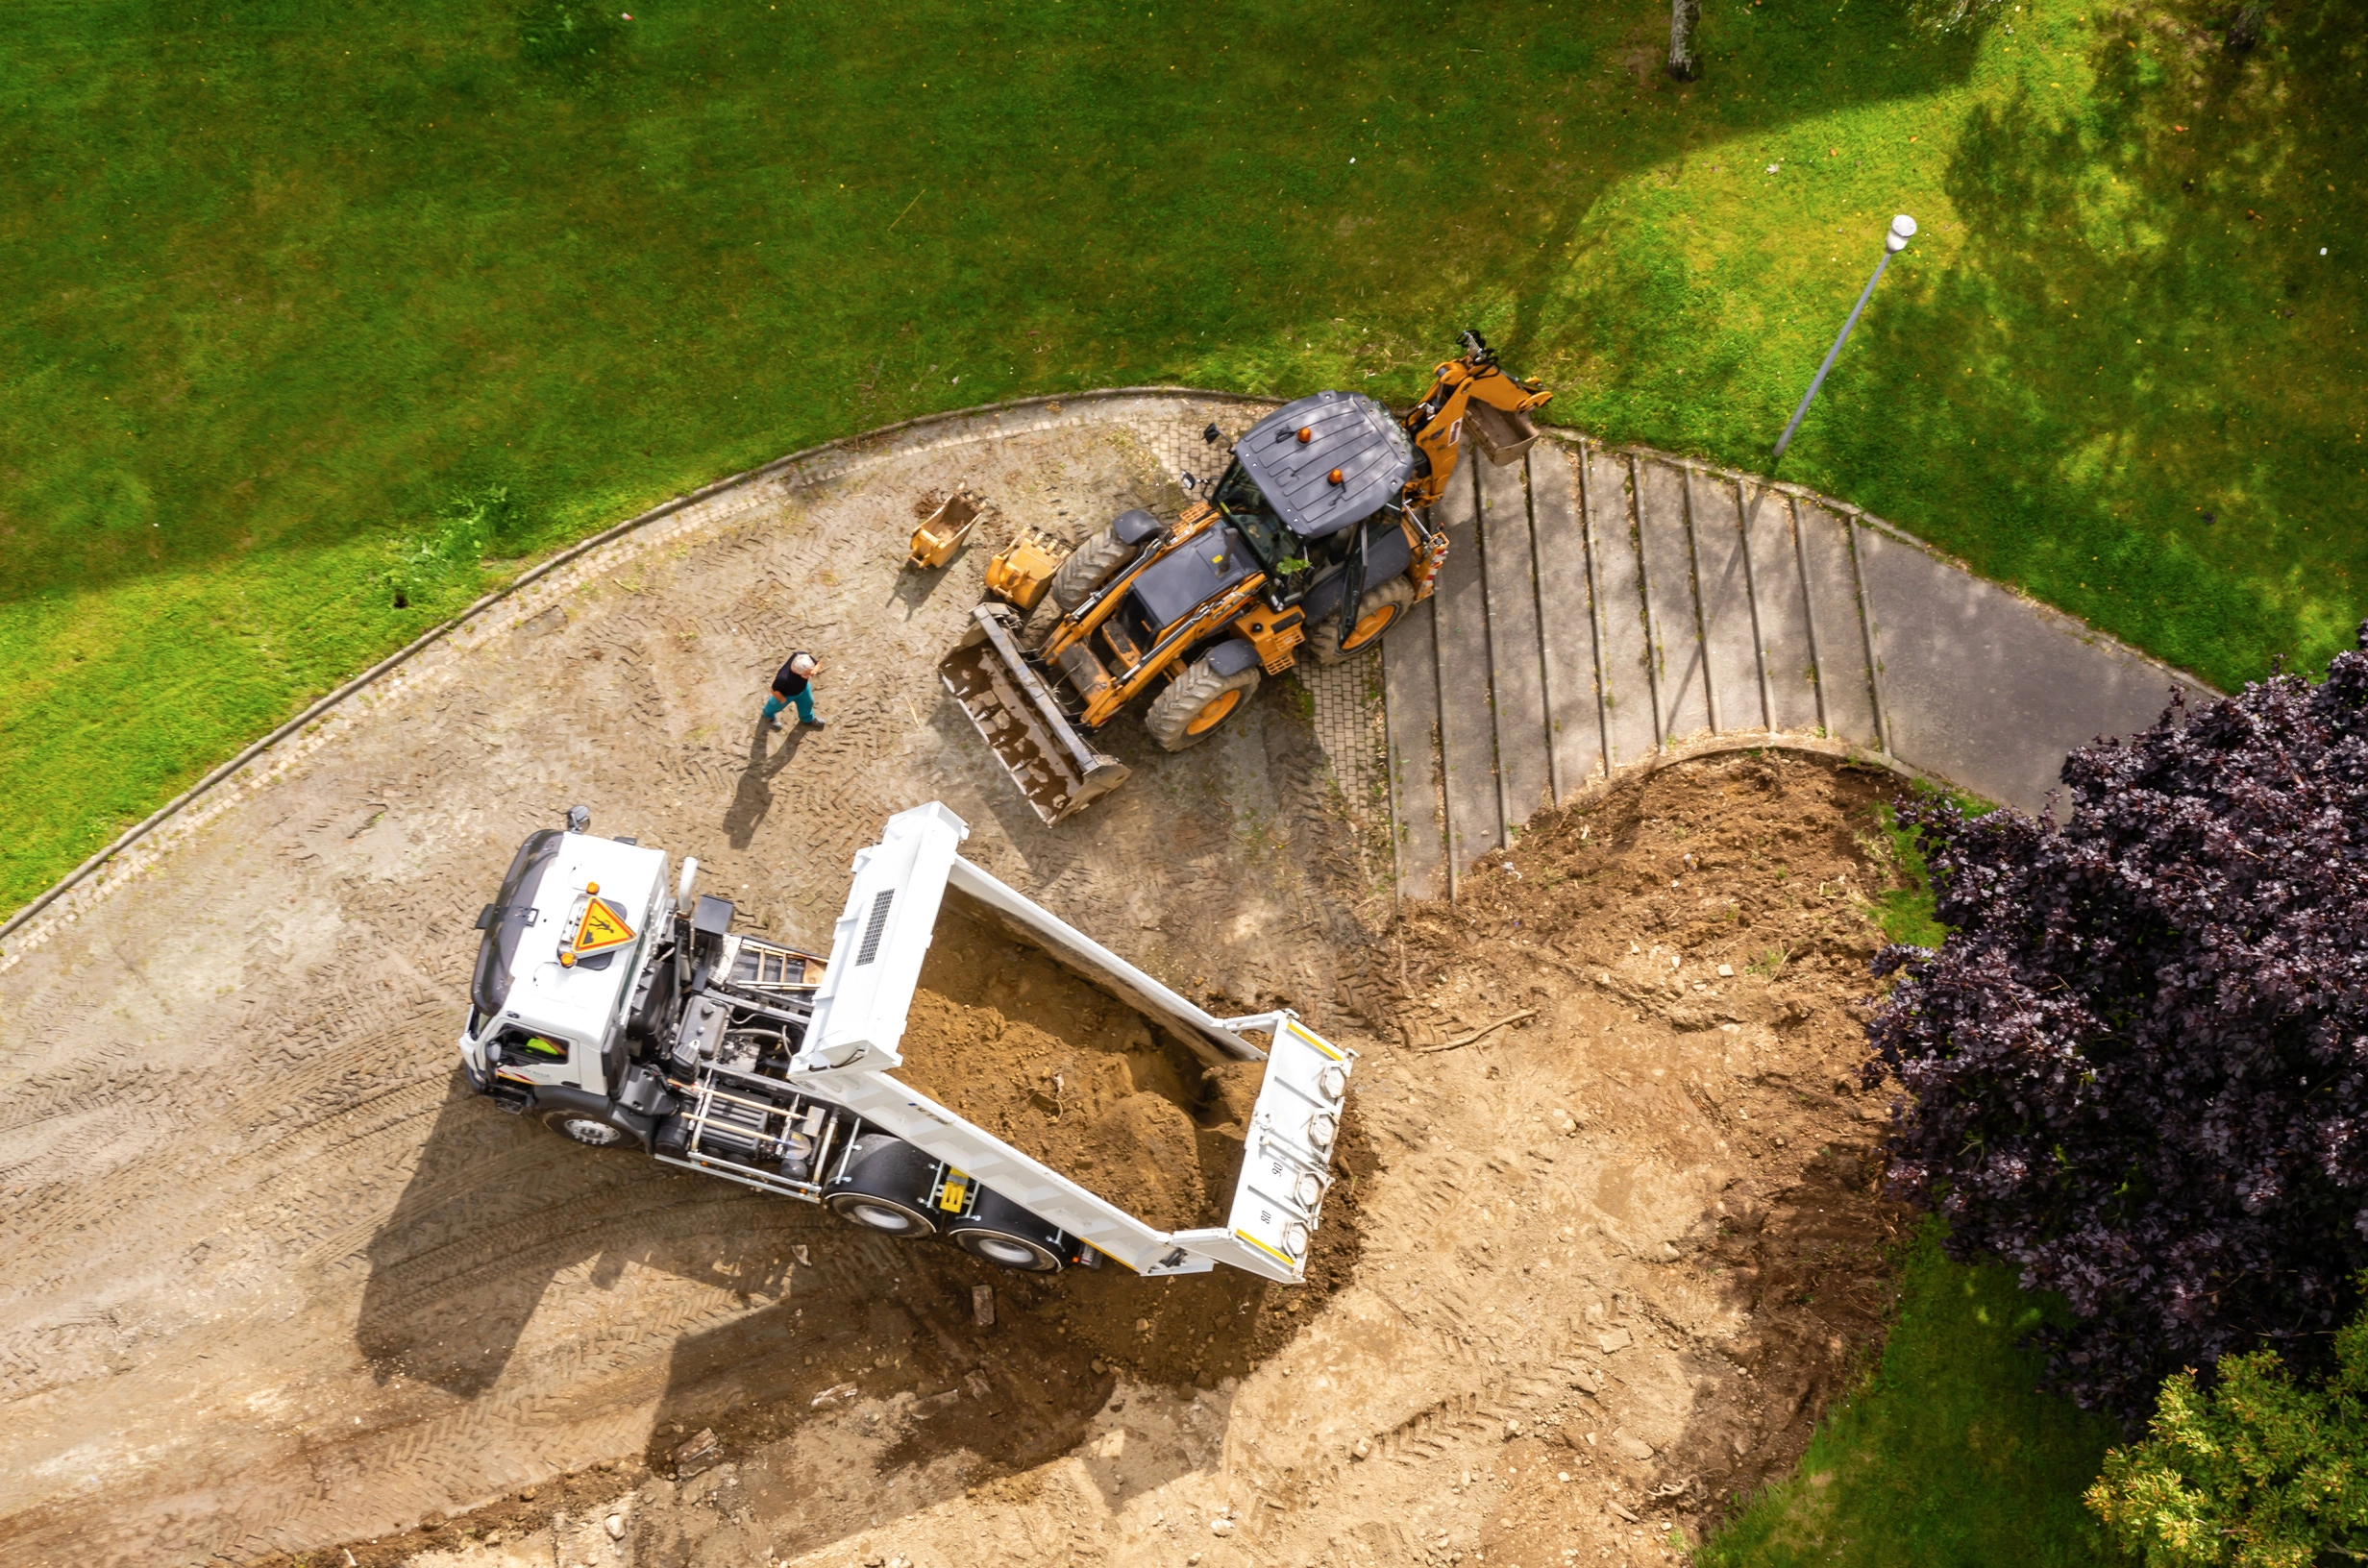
1059, 773
1502, 435
942, 532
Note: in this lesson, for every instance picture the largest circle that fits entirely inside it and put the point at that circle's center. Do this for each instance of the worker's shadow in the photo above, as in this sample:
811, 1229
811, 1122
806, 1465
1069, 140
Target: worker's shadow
497, 1209
752, 799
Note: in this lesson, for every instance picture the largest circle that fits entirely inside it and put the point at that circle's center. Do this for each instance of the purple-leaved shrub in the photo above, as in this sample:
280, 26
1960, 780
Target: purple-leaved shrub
2138, 1066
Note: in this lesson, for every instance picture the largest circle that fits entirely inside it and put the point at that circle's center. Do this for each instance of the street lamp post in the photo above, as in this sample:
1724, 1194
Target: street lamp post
1902, 229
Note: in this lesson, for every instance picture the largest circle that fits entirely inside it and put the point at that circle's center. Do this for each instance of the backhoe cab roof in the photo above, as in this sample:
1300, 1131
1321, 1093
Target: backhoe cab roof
1348, 432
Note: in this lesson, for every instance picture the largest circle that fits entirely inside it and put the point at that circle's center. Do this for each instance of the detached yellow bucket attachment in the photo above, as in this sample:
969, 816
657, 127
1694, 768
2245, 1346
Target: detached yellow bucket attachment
1502, 436
1059, 773
943, 531
1022, 570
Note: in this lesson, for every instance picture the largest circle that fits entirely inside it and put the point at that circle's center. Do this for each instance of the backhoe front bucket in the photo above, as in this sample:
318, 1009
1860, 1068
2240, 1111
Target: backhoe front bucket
1054, 767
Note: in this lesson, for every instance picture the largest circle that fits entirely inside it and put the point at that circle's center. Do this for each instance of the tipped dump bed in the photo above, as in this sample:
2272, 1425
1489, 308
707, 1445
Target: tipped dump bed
854, 1051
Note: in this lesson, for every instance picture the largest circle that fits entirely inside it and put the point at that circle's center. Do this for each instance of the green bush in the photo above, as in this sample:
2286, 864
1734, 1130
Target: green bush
2260, 1471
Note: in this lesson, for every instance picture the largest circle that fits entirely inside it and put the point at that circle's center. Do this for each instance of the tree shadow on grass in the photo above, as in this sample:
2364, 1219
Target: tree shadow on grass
2132, 390
1084, 204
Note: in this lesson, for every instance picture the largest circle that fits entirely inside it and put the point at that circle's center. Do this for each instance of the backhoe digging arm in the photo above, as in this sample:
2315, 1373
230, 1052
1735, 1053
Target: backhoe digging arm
1437, 422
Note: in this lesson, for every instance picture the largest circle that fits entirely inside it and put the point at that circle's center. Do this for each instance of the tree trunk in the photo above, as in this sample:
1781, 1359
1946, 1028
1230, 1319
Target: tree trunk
2246, 30
1683, 15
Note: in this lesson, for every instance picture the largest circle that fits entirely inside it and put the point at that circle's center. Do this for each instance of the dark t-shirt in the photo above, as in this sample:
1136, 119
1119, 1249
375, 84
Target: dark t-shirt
789, 683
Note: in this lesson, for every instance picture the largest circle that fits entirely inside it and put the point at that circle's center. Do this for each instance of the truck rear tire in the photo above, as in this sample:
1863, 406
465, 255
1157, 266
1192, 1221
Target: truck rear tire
1000, 1232
590, 1129
1382, 606
1088, 566
1196, 702
884, 1187
889, 1216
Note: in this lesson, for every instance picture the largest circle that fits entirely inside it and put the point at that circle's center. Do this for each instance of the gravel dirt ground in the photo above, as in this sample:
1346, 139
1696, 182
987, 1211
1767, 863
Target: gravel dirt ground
273, 1292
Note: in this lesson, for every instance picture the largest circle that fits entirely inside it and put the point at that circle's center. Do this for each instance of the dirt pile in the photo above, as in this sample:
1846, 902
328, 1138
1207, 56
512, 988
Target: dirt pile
1586, 1278
1687, 956
1057, 1068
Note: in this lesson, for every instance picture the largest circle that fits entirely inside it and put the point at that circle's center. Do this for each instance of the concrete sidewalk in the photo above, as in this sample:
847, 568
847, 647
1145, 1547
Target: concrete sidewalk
1602, 606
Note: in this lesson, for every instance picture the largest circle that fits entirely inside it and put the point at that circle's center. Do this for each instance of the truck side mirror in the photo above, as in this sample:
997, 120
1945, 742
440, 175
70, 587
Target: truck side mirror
484, 917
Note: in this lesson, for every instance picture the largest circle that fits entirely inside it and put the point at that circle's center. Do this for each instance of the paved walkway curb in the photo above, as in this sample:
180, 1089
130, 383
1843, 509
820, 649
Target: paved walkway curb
1976, 650
1603, 606
705, 505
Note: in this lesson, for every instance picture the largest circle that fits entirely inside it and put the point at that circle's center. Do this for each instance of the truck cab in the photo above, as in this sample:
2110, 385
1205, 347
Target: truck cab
569, 943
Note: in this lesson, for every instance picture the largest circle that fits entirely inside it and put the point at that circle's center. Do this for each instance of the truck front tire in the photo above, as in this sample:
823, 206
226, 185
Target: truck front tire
590, 1129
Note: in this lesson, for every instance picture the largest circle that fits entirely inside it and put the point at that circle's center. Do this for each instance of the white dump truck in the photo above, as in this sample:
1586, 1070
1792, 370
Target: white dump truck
616, 1005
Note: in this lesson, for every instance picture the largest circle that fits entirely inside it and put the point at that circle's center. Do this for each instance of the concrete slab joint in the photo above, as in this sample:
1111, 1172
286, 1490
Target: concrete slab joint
1718, 609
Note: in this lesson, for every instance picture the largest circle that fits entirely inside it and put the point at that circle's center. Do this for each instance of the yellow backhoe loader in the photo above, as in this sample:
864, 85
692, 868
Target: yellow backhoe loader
1321, 506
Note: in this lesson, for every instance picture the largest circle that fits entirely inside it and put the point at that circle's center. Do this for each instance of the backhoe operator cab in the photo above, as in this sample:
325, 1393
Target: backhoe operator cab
1313, 537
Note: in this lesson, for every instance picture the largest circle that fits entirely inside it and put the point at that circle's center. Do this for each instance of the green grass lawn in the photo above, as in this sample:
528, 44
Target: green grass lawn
291, 281
1947, 1456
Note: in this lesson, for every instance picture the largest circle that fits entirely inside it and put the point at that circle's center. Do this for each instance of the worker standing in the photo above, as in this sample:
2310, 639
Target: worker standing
795, 683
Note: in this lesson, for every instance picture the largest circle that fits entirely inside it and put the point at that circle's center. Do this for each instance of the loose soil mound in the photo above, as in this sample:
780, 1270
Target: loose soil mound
1693, 948
1005, 1035
1623, 1249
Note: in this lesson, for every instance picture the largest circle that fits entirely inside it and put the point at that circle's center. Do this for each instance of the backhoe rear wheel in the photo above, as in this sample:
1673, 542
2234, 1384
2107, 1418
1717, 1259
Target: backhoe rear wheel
1382, 607
1088, 566
1196, 702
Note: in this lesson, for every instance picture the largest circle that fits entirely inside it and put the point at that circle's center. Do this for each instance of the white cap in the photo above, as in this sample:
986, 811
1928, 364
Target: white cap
803, 663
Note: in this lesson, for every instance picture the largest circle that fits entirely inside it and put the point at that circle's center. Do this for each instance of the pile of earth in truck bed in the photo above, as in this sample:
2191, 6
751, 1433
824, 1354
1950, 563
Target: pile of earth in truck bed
1054, 1066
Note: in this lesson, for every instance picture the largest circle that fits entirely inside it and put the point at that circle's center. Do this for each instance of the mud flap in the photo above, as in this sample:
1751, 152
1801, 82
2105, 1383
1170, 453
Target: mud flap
1015, 712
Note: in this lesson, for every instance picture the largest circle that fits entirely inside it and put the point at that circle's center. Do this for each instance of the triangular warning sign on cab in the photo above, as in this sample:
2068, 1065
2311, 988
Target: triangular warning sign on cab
604, 926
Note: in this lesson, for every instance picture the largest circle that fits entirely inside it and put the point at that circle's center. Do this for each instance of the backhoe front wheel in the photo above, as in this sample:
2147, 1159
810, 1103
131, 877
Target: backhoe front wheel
1088, 567
1196, 701
1382, 607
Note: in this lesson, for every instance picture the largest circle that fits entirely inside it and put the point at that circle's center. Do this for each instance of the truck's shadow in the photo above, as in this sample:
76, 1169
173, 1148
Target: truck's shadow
498, 1208
872, 1393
